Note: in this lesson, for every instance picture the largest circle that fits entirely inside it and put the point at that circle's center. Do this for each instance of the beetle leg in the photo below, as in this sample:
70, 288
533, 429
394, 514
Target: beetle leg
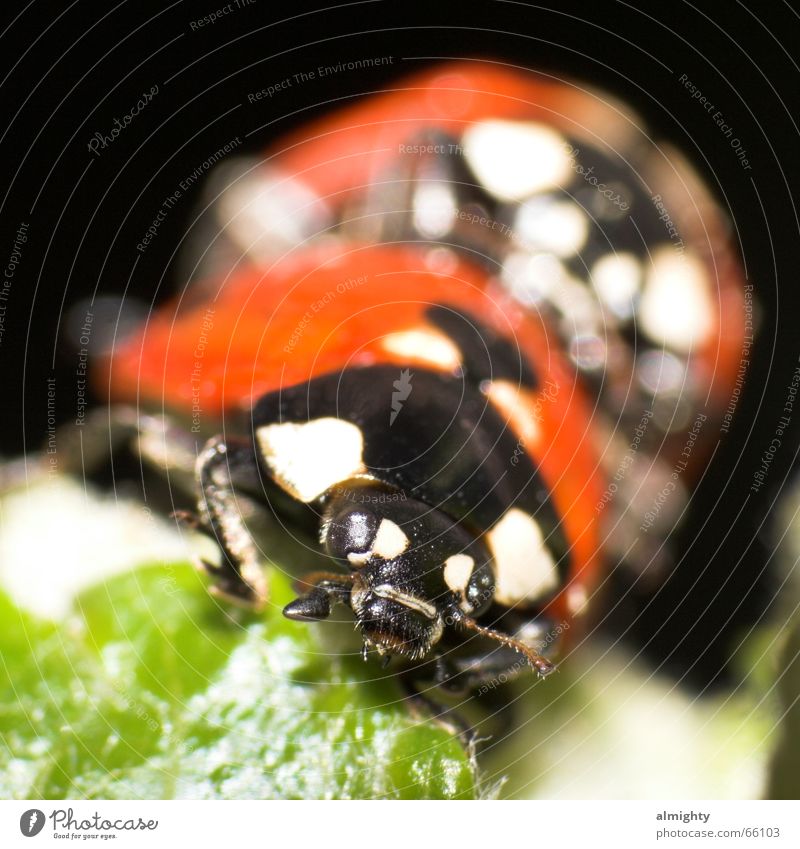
325, 589
158, 440
221, 465
462, 676
167, 447
482, 677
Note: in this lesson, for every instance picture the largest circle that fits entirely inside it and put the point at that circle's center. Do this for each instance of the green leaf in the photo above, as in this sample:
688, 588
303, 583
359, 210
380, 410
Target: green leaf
154, 690
784, 779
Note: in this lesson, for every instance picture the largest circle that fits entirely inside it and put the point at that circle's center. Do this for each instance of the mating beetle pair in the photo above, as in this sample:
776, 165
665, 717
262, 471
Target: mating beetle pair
460, 300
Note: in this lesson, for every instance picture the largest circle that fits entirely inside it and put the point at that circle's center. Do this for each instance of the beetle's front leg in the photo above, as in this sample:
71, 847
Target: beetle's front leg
323, 590
157, 441
222, 466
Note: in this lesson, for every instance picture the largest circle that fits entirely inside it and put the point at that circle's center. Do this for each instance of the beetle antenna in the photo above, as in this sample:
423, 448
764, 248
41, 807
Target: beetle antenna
540, 663
332, 581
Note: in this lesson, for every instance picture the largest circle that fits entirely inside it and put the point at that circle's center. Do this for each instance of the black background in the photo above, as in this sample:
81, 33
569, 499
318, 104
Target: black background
77, 67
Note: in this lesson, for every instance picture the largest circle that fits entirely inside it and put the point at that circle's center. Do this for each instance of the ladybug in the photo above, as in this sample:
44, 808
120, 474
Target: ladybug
478, 337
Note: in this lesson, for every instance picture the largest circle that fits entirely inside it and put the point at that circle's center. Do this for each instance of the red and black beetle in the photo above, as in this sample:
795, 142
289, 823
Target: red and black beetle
478, 316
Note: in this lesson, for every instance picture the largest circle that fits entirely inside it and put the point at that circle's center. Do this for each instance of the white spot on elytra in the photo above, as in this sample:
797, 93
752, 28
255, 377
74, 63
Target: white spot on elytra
676, 308
427, 345
457, 572
559, 227
617, 279
532, 279
262, 209
515, 407
577, 600
307, 459
525, 569
514, 159
434, 209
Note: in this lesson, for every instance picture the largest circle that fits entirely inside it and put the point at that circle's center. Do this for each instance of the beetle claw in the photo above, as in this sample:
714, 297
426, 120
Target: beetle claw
311, 607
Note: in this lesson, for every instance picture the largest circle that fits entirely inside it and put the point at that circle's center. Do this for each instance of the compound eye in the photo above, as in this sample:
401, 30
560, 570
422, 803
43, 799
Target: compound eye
480, 589
472, 582
351, 533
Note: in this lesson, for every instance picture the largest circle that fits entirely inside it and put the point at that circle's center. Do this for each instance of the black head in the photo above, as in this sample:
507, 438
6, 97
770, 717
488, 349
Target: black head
393, 620
412, 570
